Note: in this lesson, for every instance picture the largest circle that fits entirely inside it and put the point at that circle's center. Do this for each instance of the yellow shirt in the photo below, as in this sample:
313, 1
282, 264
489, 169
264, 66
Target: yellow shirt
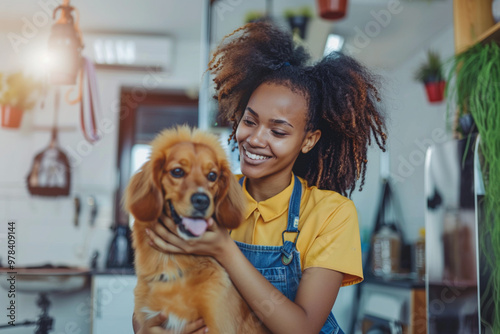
329, 233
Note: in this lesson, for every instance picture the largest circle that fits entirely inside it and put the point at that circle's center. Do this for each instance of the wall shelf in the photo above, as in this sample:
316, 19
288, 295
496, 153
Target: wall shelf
460, 284
492, 34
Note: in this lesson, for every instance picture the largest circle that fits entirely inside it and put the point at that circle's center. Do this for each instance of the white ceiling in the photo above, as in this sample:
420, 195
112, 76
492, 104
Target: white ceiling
407, 32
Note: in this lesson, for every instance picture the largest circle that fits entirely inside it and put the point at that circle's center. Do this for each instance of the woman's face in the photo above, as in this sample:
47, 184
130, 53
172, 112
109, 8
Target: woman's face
272, 132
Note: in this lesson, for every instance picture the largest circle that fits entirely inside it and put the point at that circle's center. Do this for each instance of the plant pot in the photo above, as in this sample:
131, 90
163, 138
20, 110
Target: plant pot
299, 23
11, 117
435, 91
467, 124
332, 9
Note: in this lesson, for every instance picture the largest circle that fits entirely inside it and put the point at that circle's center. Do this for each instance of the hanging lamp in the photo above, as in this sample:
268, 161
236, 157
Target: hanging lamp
65, 46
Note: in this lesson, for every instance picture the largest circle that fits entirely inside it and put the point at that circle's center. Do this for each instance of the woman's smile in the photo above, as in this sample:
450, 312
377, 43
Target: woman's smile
254, 157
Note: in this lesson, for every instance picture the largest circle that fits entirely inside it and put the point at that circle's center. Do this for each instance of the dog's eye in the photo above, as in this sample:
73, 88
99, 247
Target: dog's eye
177, 172
212, 176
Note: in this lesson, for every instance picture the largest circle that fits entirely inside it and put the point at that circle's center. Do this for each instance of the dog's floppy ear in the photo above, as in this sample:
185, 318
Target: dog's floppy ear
231, 201
143, 197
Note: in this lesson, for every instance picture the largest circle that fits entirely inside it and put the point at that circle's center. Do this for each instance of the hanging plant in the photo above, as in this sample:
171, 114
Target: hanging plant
17, 94
430, 74
332, 9
476, 91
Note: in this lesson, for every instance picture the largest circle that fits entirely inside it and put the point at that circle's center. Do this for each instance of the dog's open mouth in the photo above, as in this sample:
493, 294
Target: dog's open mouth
191, 227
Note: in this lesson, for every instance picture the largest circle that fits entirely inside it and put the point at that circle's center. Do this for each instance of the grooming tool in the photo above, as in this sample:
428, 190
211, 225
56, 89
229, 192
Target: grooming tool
92, 203
78, 208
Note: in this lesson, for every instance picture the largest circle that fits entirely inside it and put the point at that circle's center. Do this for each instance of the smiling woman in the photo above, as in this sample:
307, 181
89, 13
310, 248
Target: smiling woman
302, 133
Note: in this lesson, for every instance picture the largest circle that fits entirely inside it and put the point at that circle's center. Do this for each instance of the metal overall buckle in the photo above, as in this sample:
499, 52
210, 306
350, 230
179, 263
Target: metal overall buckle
286, 259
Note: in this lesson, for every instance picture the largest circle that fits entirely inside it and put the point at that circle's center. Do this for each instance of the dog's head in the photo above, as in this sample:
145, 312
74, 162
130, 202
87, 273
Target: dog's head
188, 178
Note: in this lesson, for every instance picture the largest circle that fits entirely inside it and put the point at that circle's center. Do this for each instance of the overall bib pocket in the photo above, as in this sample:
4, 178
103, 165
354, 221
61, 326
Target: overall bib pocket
277, 277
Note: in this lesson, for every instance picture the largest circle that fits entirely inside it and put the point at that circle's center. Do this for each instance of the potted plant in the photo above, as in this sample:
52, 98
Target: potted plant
430, 74
332, 9
17, 94
298, 20
475, 74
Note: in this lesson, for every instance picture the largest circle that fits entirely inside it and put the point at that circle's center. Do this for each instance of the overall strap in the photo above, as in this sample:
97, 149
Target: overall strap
293, 222
294, 207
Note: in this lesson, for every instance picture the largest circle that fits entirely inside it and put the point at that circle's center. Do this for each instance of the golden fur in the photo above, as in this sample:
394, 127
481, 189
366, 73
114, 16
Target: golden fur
186, 287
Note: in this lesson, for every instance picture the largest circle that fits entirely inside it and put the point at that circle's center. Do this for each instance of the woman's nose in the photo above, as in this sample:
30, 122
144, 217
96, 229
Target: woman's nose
257, 138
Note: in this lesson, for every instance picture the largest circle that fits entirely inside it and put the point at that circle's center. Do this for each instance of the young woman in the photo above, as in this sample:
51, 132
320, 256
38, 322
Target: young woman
302, 132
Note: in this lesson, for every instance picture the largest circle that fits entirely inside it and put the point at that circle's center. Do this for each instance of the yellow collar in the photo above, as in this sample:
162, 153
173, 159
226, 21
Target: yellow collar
272, 207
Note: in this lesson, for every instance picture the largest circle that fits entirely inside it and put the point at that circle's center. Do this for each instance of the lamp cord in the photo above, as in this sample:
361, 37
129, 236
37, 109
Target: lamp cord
57, 99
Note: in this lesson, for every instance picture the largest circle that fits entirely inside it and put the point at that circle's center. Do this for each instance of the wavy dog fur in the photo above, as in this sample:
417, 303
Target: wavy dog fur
183, 163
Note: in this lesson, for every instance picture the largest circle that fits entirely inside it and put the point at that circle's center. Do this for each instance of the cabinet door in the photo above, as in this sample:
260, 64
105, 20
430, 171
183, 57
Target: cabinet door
112, 303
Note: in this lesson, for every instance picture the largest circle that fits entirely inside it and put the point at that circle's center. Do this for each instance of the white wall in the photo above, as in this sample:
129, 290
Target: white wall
414, 125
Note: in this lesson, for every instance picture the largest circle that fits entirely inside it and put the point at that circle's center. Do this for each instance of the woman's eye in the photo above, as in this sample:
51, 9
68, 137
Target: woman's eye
279, 134
248, 122
177, 172
212, 176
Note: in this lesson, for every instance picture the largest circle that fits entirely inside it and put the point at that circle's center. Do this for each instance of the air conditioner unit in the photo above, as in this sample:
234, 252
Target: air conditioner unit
126, 51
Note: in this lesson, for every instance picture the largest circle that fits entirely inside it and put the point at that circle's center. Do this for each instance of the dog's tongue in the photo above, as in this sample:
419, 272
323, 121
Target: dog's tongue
196, 226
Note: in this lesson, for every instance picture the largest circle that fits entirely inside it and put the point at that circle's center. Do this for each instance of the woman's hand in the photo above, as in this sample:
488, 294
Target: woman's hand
154, 326
166, 240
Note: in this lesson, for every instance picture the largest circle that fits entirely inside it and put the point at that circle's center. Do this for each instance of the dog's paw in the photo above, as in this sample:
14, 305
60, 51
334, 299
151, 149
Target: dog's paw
173, 322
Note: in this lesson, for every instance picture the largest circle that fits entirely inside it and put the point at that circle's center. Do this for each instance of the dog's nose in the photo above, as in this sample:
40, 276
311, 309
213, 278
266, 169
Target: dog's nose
200, 201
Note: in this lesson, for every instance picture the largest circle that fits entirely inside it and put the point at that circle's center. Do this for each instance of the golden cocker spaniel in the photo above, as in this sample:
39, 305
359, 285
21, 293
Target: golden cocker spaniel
188, 179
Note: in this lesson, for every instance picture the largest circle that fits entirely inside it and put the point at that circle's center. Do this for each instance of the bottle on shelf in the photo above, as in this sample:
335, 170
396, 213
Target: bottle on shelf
420, 255
120, 251
386, 251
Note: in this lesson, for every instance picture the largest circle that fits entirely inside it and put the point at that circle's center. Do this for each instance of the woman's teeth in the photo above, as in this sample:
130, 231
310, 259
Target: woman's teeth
255, 156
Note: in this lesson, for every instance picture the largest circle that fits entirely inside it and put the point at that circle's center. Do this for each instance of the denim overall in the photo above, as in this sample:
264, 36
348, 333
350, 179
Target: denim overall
280, 265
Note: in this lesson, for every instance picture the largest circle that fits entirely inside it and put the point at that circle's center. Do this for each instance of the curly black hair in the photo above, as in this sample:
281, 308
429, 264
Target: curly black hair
341, 94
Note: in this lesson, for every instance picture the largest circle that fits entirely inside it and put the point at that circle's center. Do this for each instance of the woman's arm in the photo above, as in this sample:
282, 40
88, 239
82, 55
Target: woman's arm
316, 295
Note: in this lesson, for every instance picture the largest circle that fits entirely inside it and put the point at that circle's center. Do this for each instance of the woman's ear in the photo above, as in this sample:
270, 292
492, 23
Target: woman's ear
230, 200
310, 140
143, 197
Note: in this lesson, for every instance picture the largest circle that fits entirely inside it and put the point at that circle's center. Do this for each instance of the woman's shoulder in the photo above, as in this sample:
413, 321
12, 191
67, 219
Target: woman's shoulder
321, 197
